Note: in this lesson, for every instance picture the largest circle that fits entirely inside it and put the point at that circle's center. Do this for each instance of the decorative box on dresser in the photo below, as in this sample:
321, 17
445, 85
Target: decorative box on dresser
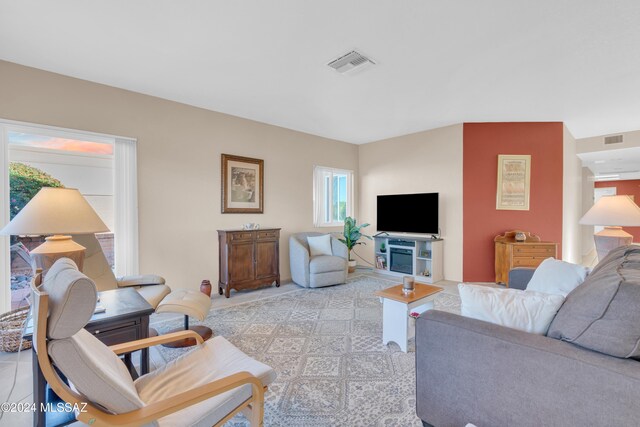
511, 253
248, 259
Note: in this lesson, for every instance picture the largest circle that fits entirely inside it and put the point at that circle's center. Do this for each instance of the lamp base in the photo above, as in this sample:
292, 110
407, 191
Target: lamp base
56, 247
609, 239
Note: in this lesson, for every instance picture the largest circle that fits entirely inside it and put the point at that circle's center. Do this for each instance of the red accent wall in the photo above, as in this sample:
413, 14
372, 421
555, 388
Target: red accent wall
481, 221
629, 187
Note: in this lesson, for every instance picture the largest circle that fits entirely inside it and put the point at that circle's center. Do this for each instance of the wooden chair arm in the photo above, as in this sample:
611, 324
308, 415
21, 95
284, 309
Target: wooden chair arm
128, 347
177, 402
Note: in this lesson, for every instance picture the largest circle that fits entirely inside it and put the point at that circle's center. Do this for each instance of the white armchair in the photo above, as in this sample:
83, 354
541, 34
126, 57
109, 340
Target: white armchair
318, 271
206, 386
151, 287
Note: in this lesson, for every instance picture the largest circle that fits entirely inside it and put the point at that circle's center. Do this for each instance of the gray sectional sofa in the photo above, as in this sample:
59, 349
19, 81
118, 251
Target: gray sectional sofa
585, 372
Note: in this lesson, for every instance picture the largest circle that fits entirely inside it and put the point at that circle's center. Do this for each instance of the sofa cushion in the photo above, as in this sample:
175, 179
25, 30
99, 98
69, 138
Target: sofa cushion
323, 264
557, 277
602, 314
319, 245
527, 311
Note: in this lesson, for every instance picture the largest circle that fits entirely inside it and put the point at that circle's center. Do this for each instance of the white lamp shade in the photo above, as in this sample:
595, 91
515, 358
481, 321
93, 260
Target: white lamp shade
613, 211
56, 211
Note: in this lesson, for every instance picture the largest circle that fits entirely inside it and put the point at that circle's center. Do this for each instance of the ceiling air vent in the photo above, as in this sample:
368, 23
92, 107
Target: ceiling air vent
349, 61
616, 139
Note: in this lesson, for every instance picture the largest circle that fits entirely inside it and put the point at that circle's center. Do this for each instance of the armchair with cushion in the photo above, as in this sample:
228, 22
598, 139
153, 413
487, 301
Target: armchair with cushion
317, 271
206, 386
151, 287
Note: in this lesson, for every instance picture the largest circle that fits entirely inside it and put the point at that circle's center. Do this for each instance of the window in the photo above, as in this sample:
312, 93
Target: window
101, 167
332, 196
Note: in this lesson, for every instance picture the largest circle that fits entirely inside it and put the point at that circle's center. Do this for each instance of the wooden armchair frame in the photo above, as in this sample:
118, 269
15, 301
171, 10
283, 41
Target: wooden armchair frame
253, 408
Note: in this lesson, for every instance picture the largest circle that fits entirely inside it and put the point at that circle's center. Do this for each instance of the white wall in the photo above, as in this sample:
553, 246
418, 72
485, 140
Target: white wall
588, 244
596, 143
179, 148
571, 200
424, 162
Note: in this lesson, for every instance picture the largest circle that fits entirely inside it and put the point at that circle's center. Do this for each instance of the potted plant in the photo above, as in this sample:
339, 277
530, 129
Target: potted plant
352, 235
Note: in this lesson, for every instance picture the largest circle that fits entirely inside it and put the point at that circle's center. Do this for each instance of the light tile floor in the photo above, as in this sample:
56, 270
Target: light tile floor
23, 386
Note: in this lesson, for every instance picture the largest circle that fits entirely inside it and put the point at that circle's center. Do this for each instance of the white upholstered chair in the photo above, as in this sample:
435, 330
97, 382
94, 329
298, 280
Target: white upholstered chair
151, 287
204, 387
318, 271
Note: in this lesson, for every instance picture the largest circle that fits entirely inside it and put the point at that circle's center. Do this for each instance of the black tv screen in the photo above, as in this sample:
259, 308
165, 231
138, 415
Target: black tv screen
408, 213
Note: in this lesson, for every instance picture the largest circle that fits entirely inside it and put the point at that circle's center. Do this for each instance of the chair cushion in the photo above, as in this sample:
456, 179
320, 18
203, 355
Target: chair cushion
320, 245
187, 302
324, 264
215, 359
72, 299
96, 372
602, 314
95, 263
153, 293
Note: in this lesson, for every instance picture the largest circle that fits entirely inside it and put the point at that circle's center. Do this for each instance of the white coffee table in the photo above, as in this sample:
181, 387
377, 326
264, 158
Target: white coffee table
396, 306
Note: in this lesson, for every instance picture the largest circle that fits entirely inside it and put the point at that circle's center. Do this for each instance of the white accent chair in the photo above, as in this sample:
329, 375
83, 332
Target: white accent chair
317, 271
206, 386
151, 287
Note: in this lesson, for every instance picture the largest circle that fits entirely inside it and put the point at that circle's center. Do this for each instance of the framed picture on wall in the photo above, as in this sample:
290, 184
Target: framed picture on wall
242, 184
514, 176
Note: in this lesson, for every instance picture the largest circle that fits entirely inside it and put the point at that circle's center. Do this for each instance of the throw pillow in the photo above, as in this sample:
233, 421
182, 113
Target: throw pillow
557, 277
319, 245
527, 311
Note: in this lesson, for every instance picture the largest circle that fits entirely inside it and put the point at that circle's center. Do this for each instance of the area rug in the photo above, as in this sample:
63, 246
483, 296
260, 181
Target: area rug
326, 347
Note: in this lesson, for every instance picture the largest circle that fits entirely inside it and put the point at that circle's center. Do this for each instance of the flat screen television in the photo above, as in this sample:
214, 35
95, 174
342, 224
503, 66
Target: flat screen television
408, 213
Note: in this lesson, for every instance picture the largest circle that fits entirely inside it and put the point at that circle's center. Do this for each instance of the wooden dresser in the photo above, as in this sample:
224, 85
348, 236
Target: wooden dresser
248, 259
511, 253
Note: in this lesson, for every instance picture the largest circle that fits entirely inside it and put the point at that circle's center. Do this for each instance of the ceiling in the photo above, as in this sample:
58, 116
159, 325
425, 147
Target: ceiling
438, 62
613, 165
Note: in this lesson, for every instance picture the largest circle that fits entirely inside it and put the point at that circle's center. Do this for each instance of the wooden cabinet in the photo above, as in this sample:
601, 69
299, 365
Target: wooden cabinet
248, 259
528, 253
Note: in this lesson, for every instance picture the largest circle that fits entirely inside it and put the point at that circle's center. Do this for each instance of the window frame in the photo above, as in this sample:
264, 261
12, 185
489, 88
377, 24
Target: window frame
322, 200
126, 211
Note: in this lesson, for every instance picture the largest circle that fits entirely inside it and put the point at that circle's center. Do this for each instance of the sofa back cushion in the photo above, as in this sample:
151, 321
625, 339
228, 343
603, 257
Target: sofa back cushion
603, 313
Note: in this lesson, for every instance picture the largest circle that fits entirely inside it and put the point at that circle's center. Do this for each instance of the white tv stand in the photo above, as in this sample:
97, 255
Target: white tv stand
420, 257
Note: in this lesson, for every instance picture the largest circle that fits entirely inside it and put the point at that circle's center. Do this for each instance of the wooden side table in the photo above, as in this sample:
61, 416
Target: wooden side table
528, 253
125, 319
396, 306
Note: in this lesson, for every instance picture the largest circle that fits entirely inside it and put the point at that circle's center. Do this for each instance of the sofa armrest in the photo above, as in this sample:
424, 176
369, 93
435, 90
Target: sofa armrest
469, 371
298, 262
519, 277
140, 280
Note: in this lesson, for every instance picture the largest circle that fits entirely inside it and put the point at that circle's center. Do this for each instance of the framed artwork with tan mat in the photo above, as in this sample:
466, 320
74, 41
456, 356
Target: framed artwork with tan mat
242, 184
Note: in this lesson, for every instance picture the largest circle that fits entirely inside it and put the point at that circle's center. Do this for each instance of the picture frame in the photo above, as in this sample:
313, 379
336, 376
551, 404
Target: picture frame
514, 182
242, 184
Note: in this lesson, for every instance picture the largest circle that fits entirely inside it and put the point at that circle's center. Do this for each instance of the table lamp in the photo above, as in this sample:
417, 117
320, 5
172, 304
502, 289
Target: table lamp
56, 212
612, 212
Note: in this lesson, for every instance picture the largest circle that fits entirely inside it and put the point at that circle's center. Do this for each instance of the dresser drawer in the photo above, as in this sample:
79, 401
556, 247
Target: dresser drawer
534, 250
528, 261
241, 235
268, 234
